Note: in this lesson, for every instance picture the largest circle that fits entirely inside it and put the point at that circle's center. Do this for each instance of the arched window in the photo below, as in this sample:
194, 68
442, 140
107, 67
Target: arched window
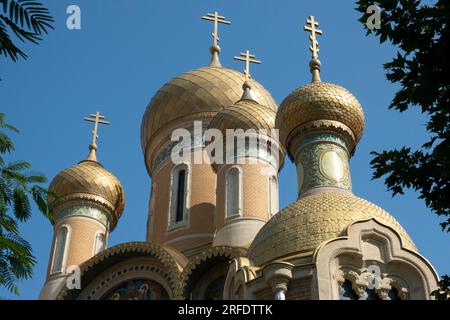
99, 243
60, 250
273, 195
181, 191
233, 191
179, 195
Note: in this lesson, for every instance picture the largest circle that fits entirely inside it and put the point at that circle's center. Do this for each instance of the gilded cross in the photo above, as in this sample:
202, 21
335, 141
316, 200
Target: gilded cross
216, 19
248, 58
314, 48
96, 119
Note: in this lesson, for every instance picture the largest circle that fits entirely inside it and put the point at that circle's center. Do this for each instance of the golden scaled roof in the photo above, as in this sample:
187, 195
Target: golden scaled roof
88, 181
244, 114
195, 95
302, 226
320, 101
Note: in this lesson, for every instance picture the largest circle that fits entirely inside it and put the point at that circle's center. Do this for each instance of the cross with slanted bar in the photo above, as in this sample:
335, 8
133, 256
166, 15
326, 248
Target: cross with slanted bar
248, 58
216, 19
314, 48
97, 118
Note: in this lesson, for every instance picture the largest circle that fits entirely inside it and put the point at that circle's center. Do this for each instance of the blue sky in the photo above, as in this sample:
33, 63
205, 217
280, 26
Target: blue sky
126, 50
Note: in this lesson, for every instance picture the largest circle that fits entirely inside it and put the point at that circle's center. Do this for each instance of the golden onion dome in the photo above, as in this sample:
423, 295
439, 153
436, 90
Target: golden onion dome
195, 95
302, 226
244, 114
88, 181
320, 101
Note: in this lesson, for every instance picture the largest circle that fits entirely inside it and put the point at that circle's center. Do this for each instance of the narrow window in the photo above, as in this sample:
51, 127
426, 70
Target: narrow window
60, 250
180, 203
273, 195
232, 192
100, 243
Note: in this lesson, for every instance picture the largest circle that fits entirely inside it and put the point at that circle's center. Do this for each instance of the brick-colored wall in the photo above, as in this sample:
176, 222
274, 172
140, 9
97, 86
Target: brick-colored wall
81, 241
255, 192
201, 208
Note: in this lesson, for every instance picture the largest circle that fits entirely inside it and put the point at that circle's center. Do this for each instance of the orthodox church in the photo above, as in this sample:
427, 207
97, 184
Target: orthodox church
214, 229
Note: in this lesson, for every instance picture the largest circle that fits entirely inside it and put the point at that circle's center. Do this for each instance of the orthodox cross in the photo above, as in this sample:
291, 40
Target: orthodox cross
314, 48
216, 19
248, 58
97, 118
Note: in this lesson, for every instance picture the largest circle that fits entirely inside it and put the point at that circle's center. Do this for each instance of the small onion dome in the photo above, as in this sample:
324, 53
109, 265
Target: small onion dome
246, 114
88, 181
194, 95
320, 104
302, 226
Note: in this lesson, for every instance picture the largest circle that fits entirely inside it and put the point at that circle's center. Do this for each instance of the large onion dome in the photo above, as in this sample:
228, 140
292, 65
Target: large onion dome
302, 226
195, 95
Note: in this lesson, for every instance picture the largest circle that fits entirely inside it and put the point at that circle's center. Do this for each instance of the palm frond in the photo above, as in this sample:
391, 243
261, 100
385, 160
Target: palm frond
18, 166
29, 13
21, 205
36, 178
6, 144
40, 197
7, 47
8, 224
5, 125
22, 34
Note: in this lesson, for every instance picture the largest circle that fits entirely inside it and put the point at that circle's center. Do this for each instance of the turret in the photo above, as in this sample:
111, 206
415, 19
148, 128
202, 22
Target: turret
247, 175
86, 202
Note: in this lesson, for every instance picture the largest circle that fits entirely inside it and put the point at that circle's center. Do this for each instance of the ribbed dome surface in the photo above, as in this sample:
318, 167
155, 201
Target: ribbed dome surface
305, 224
244, 114
194, 95
88, 179
320, 101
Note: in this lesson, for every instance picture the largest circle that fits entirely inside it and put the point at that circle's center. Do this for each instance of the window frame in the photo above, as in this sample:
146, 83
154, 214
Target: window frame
173, 197
65, 251
240, 186
273, 192
105, 245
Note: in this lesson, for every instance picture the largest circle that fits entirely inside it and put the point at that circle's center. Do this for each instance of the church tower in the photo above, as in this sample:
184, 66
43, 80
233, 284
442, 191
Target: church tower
182, 206
247, 174
86, 202
329, 244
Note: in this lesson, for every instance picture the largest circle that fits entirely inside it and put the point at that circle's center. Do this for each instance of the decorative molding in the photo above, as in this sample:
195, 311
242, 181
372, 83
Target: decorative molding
310, 164
229, 252
172, 263
131, 270
86, 200
84, 211
399, 266
360, 282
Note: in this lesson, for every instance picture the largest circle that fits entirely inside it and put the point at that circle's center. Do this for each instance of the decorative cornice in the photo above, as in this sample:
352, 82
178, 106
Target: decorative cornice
69, 200
173, 262
195, 261
299, 133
